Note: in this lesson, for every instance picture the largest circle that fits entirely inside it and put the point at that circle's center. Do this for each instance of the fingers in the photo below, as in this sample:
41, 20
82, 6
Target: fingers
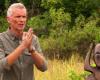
30, 30
30, 33
24, 34
27, 37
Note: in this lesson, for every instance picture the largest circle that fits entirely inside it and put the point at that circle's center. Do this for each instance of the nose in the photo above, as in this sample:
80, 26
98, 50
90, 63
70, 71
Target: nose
22, 19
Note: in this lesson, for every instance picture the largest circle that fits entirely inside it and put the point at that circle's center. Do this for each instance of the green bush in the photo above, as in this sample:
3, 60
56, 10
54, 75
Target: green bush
60, 39
74, 76
3, 24
63, 42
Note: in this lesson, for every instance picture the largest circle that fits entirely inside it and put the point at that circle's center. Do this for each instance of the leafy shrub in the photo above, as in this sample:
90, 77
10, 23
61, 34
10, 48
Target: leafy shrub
56, 37
76, 76
3, 24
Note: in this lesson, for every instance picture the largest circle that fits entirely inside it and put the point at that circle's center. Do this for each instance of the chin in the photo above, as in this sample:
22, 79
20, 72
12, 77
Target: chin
21, 28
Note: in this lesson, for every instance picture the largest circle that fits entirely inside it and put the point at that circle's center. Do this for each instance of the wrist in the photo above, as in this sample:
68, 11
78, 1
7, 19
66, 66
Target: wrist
32, 50
22, 47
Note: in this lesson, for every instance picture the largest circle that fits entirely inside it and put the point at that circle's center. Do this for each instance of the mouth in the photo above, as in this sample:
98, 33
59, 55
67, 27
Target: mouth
21, 25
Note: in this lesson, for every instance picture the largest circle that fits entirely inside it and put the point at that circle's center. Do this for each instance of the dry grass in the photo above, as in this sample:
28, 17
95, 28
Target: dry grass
59, 70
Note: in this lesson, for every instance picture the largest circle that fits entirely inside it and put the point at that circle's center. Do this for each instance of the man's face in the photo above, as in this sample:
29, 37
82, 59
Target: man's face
18, 18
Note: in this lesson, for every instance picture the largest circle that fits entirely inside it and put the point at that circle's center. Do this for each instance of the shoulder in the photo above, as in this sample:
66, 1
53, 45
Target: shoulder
2, 38
2, 34
35, 37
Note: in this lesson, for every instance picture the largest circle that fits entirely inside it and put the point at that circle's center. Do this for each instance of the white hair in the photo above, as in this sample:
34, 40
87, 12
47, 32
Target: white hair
13, 6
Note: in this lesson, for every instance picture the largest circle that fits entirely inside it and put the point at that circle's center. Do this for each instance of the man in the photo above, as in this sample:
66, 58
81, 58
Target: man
19, 50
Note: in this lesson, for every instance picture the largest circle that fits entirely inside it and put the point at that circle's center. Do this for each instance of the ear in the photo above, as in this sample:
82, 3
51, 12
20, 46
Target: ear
8, 19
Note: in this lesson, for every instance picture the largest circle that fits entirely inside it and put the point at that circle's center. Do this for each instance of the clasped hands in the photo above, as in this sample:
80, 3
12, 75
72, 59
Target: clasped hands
27, 39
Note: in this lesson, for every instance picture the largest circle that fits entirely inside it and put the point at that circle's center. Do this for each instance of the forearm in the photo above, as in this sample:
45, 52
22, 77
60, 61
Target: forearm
12, 57
39, 61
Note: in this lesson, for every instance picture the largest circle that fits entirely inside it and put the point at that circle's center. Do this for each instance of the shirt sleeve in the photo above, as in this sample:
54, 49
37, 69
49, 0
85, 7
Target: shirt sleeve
36, 44
3, 59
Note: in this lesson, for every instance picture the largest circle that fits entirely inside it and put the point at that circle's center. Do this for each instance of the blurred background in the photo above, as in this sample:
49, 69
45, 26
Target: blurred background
65, 29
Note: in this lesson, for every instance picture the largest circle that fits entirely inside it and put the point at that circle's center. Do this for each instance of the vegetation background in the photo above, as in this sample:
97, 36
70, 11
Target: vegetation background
65, 29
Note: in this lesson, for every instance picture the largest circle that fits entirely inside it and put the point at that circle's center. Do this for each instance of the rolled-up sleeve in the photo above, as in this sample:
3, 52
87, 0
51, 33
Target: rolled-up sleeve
43, 67
36, 44
3, 59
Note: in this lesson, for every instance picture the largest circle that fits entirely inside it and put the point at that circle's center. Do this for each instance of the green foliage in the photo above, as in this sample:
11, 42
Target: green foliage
47, 4
3, 24
62, 41
74, 76
80, 21
31, 3
59, 17
64, 26
85, 7
40, 24
53, 20
92, 29
2, 8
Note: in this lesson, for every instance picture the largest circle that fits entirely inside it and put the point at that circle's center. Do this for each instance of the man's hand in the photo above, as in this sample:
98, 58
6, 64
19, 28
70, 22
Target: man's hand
27, 38
32, 48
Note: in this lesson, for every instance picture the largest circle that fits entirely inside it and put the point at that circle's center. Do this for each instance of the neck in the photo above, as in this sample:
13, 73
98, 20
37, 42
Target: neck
17, 33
